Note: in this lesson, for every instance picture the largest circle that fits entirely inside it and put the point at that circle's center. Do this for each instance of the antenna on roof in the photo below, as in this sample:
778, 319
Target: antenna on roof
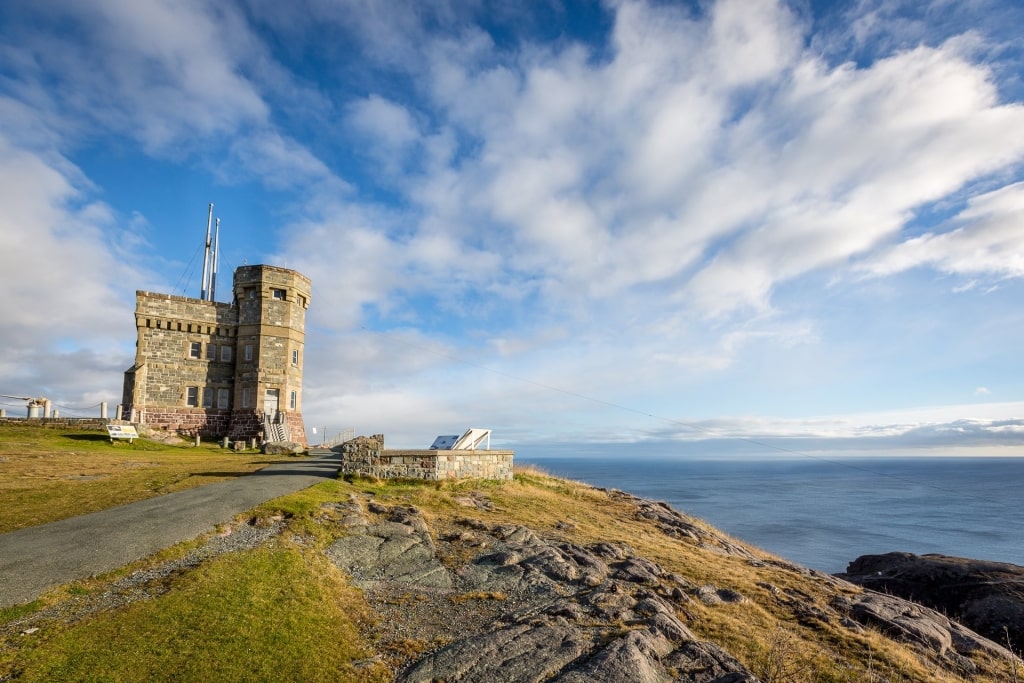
216, 260
206, 254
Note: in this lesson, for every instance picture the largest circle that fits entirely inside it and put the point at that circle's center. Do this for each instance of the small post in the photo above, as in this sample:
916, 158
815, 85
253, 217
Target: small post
119, 415
103, 410
224, 442
3, 413
252, 443
197, 441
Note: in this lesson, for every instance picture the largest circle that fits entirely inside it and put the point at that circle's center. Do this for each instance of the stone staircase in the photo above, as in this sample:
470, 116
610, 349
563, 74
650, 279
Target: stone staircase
275, 428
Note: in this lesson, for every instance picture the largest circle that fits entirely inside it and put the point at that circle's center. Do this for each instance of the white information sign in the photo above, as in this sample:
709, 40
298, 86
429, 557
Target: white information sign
122, 432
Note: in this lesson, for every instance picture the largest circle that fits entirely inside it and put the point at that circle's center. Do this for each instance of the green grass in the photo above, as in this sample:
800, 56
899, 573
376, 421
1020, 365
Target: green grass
51, 474
285, 613
273, 614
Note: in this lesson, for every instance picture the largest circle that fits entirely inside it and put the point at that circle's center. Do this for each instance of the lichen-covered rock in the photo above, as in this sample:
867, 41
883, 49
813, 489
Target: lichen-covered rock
909, 622
987, 597
517, 607
283, 448
399, 549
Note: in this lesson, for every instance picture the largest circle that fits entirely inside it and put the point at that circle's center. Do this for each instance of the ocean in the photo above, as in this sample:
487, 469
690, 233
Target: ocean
824, 514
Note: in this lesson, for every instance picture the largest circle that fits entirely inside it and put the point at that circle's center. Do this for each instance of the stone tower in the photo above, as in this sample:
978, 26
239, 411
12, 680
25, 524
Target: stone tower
270, 342
217, 369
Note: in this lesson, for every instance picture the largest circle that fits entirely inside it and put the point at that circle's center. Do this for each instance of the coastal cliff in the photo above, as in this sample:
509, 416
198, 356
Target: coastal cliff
554, 580
534, 579
987, 597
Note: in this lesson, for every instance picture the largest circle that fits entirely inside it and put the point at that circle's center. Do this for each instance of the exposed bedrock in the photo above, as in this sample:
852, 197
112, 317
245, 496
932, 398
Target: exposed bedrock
987, 597
515, 607
488, 602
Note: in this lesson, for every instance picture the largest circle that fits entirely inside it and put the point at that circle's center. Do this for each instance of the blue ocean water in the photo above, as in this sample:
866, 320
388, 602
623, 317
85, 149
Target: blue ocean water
823, 514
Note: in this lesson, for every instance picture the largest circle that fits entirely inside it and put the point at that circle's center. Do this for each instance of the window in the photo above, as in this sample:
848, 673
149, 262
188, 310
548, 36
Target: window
195, 350
277, 293
292, 400
250, 293
207, 397
245, 397
225, 354
223, 396
248, 351
295, 357
302, 300
211, 352
192, 397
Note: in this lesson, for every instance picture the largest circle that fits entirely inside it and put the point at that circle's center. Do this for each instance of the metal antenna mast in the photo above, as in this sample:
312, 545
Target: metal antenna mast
216, 260
206, 255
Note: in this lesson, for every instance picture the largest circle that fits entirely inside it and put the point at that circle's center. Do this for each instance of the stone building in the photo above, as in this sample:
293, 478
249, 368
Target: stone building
218, 369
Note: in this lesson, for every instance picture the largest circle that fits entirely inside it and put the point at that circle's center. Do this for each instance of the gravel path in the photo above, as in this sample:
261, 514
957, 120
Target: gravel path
38, 558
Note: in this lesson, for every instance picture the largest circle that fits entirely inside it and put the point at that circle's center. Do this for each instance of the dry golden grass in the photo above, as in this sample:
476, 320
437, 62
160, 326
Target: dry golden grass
52, 474
761, 631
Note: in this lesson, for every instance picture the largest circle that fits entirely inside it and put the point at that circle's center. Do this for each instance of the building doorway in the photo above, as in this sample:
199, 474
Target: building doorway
270, 402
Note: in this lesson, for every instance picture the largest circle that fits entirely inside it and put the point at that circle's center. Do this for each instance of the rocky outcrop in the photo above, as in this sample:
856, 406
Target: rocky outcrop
283, 448
921, 627
987, 597
511, 606
478, 601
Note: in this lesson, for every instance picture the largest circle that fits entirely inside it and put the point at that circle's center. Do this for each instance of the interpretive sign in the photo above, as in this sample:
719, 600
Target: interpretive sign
122, 432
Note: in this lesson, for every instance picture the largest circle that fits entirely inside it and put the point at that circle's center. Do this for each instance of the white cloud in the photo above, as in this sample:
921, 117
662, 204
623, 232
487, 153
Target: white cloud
67, 317
988, 242
611, 219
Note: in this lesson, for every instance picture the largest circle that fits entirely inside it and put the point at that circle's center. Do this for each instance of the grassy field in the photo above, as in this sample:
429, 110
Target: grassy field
282, 612
52, 474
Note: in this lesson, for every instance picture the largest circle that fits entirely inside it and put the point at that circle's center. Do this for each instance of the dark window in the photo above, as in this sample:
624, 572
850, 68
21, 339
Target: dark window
295, 357
211, 352
223, 396
277, 293
207, 397
292, 400
192, 397
225, 354
195, 350
248, 351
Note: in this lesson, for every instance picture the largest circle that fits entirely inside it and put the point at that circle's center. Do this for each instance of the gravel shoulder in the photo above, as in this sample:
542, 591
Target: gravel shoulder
36, 559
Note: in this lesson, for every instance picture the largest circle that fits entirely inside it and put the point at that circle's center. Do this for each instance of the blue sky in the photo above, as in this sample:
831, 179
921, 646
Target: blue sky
610, 222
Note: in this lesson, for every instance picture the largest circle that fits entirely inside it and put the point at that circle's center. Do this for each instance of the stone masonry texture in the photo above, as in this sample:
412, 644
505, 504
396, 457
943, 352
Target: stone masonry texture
215, 369
366, 456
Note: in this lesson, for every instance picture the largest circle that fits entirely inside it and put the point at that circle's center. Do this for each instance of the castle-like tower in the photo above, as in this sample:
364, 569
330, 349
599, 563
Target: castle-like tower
271, 304
216, 369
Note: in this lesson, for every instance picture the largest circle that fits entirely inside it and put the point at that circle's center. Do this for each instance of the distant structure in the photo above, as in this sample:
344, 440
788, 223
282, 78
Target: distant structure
217, 369
450, 457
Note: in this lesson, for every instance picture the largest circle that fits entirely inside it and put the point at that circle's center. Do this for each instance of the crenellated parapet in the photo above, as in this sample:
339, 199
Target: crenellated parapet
218, 369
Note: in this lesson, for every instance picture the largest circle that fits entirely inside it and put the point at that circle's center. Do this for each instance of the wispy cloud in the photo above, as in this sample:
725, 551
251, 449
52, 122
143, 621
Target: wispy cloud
662, 210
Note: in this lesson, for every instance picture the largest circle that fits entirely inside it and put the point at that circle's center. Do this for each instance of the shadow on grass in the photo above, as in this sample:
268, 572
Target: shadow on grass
87, 437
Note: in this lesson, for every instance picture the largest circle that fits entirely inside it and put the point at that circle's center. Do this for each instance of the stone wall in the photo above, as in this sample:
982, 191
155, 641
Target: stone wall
188, 421
366, 456
191, 373
86, 423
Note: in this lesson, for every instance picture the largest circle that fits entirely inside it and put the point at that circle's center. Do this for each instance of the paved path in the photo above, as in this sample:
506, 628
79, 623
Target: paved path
41, 557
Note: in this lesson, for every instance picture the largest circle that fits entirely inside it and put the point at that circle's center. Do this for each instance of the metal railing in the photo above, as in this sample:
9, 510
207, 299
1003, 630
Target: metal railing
344, 435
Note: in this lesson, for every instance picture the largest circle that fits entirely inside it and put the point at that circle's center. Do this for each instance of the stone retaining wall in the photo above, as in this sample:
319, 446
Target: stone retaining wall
366, 456
86, 423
